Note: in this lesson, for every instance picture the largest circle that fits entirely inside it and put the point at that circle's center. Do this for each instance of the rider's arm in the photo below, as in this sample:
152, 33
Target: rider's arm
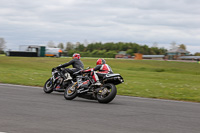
93, 69
67, 64
88, 70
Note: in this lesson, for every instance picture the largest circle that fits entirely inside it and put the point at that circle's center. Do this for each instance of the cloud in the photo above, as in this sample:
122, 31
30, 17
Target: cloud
27, 22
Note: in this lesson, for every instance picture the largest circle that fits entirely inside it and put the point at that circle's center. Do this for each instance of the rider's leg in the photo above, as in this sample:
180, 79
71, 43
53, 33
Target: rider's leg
67, 73
95, 78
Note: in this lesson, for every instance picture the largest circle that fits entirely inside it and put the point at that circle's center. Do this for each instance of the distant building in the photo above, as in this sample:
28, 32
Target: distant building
174, 54
153, 57
53, 52
138, 56
190, 58
35, 51
28, 51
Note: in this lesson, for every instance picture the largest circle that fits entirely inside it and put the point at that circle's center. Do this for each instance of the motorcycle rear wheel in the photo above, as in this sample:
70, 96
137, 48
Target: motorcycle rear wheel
70, 92
106, 93
48, 87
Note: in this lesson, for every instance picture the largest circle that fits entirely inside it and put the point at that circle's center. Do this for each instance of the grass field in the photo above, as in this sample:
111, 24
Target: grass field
143, 78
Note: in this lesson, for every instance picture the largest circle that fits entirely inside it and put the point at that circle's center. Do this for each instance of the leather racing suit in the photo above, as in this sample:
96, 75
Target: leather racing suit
103, 70
76, 63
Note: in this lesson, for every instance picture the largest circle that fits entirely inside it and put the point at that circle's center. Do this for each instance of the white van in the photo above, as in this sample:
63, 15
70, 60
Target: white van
53, 52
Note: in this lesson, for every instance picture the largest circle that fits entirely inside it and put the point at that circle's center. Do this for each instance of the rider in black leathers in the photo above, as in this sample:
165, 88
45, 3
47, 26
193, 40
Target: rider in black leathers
75, 62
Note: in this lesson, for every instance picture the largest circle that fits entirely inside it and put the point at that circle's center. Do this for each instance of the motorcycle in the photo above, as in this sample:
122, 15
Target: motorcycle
84, 87
57, 82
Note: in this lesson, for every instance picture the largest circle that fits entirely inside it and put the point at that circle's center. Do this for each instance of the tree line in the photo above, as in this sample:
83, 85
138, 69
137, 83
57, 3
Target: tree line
110, 49
106, 50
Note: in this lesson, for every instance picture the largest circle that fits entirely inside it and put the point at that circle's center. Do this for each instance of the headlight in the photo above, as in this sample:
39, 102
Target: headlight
120, 79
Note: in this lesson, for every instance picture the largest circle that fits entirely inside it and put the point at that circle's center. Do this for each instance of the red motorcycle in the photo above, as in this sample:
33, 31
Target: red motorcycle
84, 87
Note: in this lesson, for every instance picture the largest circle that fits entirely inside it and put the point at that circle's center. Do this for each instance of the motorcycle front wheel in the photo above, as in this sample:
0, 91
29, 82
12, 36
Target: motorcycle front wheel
48, 86
106, 93
70, 92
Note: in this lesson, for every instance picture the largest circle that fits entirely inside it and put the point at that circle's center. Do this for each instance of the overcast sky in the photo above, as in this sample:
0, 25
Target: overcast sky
25, 22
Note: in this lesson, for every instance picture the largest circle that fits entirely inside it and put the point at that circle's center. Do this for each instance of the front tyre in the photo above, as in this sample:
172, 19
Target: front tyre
106, 93
70, 92
48, 86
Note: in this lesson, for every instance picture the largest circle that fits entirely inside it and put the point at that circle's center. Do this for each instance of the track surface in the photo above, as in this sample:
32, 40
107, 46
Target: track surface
26, 109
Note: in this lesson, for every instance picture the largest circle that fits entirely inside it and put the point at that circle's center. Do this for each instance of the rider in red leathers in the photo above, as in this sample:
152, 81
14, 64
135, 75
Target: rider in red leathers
103, 69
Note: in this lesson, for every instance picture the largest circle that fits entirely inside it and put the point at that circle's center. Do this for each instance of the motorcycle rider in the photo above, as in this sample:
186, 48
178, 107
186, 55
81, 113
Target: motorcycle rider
102, 69
75, 62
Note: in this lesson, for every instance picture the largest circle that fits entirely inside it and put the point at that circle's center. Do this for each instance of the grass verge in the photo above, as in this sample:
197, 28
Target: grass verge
143, 78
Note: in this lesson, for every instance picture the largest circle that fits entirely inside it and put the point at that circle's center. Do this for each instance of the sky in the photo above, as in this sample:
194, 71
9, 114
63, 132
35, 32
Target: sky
161, 22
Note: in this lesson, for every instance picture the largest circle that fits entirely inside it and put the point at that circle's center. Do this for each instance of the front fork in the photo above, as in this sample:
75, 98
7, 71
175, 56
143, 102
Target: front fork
56, 81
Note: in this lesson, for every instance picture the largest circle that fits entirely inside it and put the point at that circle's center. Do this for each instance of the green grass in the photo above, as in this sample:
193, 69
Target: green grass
143, 78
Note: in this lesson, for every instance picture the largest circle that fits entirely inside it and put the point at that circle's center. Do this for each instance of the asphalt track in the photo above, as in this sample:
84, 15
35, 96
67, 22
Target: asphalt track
26, 109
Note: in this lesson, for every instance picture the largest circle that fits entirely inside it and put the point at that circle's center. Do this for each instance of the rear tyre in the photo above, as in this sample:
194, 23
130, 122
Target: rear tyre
70, 92
106, 93
48, 86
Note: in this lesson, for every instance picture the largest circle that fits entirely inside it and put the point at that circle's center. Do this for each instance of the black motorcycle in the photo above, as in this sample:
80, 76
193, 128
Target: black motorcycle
57, 82
84, 87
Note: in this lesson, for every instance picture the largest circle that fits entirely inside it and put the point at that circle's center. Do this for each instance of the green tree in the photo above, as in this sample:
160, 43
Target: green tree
152, 51
197, 54
81, 48
90, 47
135, 48
69, 46
95, 52
182, 46
130, 51
61, 46
111, 54
145, 49
101, 53
110, 49
71, 52
2, 45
